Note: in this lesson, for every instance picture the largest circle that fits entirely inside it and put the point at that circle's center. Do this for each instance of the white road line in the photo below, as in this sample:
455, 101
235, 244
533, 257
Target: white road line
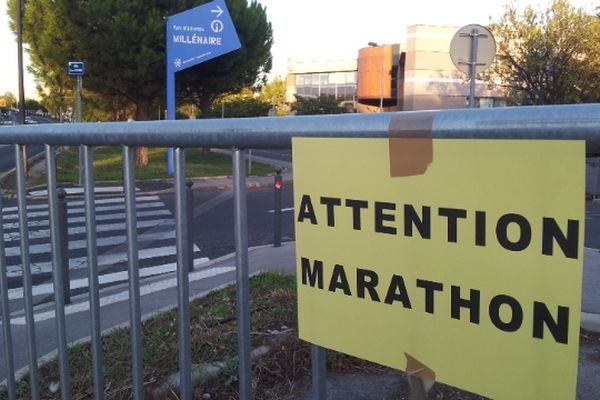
283, 209
15, 271
82, 244
48, 288
80, 203
81, 210
45, 233
124, 296
79, 190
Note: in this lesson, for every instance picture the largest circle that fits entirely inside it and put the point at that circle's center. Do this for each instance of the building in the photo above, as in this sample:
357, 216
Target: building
313, 78
416, 75
379, 78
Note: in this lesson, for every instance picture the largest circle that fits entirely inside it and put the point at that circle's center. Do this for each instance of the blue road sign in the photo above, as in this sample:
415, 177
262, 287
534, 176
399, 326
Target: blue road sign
199, 34
76, 68
193, 37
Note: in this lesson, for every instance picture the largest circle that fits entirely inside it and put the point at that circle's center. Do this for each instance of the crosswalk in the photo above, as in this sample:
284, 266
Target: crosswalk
156, 242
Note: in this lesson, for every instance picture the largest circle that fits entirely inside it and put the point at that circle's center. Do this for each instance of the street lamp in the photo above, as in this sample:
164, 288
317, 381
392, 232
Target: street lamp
374, 44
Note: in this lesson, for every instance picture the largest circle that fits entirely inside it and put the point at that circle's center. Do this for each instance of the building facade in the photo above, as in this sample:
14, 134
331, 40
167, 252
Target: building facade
314, 78
416, 75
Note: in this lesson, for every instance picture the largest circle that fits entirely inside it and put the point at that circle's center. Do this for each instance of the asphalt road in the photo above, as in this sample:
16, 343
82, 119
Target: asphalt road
7, 155
7, 151
592, 224
213, 234
213, 227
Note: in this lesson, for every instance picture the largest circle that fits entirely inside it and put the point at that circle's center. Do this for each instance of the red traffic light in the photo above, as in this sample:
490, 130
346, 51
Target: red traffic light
278, 183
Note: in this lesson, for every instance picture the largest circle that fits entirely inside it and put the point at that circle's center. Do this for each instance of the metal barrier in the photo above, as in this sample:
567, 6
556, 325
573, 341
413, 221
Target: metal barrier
579, 122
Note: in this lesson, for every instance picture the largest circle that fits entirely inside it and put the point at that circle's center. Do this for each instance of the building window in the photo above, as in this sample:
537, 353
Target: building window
342, 84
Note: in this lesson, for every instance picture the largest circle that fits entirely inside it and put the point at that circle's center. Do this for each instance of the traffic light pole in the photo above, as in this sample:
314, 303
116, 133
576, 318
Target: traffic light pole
277, 186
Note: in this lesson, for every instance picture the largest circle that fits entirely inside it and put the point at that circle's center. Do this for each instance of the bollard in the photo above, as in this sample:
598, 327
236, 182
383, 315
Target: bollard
190, 222
277, 187
64, 241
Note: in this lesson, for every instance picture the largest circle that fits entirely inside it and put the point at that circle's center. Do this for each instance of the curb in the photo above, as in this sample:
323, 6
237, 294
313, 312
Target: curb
52, 355
590, 322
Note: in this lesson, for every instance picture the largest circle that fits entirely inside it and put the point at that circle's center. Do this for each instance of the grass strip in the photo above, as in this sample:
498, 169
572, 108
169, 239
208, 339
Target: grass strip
280, 374
108, 165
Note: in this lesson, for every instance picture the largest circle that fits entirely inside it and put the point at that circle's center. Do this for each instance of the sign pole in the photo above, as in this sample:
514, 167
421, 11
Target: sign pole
78, 119
78, 98
473, 55
170, 112
472, 66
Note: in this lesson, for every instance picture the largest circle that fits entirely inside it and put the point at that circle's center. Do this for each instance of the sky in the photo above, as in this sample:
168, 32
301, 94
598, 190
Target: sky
324, 29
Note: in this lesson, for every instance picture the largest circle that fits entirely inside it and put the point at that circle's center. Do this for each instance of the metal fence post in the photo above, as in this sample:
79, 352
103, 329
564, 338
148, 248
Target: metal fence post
92, 257
9, 357
34, 380
277, 187
63, 228
242, 278
417, 388
190, 222
319, 372
184, 345
135, 313
58, 239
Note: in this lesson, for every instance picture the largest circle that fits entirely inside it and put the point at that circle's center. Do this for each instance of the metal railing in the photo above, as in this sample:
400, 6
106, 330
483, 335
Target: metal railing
580, 122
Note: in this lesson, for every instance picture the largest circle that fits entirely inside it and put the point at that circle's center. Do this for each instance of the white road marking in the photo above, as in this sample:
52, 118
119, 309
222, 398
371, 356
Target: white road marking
80, 203
15, 271
79, 190
81, 210
48, 288
45, 233
82, 244
283, 209
124, 295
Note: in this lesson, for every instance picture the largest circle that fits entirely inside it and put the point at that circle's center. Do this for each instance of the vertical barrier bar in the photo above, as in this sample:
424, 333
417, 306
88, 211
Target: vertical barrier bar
57, 239
417, 388
26, 265
5, 309
183, 290
242, 280
134, 275
92, 258
319, 372
63, 222
277, 187
190, 223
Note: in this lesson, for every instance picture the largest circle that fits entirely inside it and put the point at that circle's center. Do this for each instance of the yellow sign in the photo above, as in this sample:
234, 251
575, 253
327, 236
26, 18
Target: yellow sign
2, 102
472, 268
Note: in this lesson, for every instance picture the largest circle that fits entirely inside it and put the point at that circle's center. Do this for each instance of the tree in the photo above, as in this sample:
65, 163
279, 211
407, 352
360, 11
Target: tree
251, 103
274, 93
9, 100
324, 104
123, 45
245, 104
547, 57
48, 34
232, 72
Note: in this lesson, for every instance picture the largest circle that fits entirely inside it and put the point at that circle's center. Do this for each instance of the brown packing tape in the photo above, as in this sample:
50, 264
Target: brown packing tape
410, 145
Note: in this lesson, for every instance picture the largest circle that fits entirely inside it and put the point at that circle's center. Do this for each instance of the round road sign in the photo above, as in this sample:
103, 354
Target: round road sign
461, 45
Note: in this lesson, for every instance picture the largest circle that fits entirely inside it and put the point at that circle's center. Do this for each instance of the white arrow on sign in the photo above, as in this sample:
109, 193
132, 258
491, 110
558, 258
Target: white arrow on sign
217, 11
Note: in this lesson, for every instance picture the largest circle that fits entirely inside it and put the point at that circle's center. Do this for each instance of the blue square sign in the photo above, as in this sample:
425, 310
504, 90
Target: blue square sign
76, 68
